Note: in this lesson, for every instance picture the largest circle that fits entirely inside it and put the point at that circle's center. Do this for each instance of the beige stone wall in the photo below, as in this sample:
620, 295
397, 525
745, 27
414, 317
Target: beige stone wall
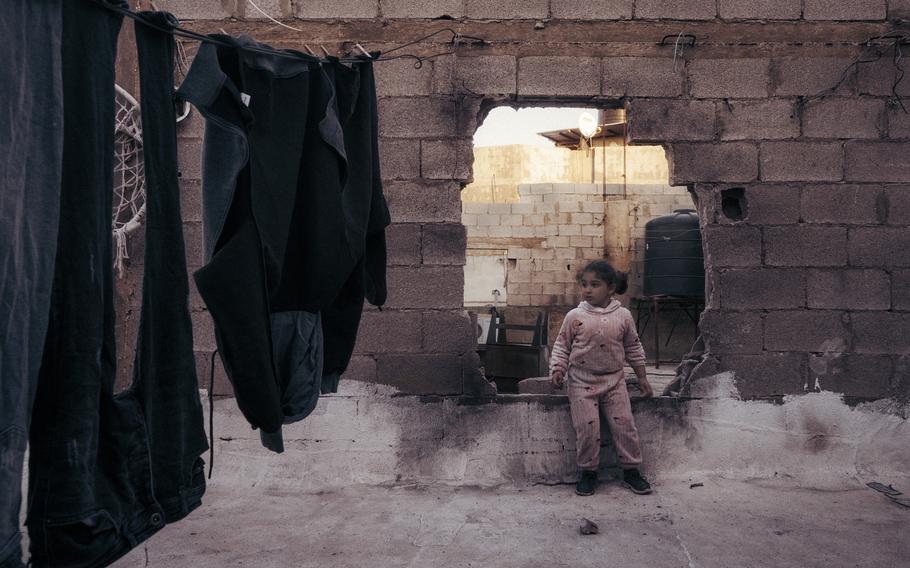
499, 170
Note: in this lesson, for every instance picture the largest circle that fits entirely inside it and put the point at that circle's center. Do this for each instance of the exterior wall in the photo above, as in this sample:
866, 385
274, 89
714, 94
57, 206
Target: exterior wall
499, 170
810, 281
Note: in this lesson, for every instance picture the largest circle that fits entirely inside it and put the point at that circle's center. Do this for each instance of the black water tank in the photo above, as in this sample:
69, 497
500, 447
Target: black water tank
674, 261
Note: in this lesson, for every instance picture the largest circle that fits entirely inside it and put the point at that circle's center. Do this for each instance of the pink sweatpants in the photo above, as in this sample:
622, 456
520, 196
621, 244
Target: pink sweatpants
589, 395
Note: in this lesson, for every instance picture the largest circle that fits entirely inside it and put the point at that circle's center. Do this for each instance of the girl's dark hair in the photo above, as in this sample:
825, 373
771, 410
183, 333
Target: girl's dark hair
604, 270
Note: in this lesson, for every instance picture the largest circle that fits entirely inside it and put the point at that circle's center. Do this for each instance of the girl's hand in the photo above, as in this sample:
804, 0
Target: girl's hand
557, 379
645, 386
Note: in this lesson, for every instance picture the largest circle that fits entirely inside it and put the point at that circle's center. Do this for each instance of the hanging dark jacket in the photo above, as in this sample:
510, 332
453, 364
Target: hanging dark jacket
285, 225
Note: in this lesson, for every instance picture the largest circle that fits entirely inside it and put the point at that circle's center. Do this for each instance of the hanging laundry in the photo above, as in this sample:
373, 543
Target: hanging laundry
293, 217
31, 135
107, 471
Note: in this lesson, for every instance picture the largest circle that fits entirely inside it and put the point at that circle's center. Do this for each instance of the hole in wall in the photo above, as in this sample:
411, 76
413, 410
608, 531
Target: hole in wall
545, 200
733, 203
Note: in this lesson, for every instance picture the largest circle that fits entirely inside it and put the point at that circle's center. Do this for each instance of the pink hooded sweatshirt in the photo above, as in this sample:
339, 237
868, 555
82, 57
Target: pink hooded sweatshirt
597, 340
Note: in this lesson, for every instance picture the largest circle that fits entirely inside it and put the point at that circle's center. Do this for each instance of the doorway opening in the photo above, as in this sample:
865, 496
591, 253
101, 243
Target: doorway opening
553, 189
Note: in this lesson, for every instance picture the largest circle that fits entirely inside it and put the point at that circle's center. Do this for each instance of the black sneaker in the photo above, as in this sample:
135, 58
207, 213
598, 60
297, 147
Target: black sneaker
586, 483
635, 482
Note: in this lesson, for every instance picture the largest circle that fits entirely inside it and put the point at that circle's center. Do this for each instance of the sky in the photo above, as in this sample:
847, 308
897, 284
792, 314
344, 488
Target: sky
506, 125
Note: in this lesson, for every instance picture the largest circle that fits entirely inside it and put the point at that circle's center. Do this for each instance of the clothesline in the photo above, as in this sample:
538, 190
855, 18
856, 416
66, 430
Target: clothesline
178, 31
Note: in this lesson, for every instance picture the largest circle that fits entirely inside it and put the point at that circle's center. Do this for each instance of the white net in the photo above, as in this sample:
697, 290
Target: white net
129, 175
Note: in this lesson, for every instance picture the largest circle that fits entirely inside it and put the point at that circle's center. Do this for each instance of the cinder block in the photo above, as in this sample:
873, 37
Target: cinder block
899, 9
569, 231
399, 78
879, 77
566, 206
702, 162
806, 76
486, 74
508, 9
192, 241
805, 330
900, 290
843, 118
389, 331
488, 220
500, 231
802, 161
773, 204
663, 120
732, 246
403, 244
877, 161
867, 376
193, 126
189, 159
593, 231
520, 276
851, 289
880, 332
759, 9
478, 231
444, 243
191, 200
421, 373
855, 10
898, 121
436, 287
426, 117
879, 247
844, 204
898, 205
729, 78
447, 332
203, 331
731, 332
672, 10
805, 245
199, 9
558, 75
584, 10
475, 208
447, 159
424, 202
524, 232
762, 289
424, 9
544, 254
500, 208
338, 10
581, 241
511, 220
767, 374
582, 218
518, 252
642, 77
757, 120
522, 209
399, 158
468, 220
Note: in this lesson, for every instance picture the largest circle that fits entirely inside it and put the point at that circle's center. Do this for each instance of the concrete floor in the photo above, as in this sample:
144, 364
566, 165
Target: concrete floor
724, 523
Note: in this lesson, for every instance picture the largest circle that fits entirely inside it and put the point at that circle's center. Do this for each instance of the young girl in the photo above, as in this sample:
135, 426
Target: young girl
594, 340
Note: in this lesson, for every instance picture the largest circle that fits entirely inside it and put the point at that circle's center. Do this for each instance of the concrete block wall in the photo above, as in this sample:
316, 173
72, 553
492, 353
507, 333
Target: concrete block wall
547, 237
824, 180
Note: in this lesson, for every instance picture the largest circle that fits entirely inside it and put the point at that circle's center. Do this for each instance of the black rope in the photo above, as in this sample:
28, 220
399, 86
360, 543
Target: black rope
212, 412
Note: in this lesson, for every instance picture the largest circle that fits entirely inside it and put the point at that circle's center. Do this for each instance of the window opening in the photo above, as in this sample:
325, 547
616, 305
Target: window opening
553, 189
